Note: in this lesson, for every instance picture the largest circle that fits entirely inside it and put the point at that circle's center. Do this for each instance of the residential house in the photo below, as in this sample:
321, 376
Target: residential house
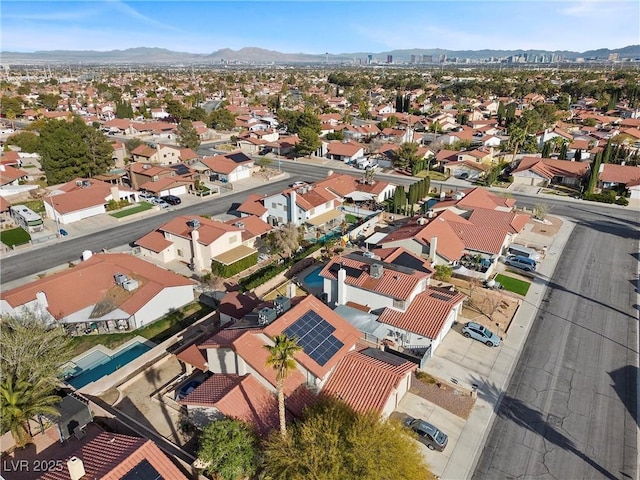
614, 176
307, 204
160, 180
227, 168
243, 386
253, 205
350, 188
113, 291
12, 179
345, 151
83, 198
540, 172
197, 241
156, 154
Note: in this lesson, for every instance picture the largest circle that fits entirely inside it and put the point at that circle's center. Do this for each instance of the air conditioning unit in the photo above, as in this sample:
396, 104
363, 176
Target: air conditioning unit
120, 279
130, 285
146, 166
78, 183
266, 316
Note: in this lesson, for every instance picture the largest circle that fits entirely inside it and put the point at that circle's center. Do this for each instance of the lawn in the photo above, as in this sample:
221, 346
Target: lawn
141, 207
157, 332
433, 175
513, 284
35, 205
15, 236
349, 218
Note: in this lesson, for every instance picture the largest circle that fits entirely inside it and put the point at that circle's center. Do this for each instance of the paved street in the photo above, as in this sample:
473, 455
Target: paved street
570, 409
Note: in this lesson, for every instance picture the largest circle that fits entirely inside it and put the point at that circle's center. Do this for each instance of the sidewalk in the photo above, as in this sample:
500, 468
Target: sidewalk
476, 430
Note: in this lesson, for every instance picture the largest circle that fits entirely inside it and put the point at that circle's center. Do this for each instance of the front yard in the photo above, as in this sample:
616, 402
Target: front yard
15, 236
141, 207
513, 284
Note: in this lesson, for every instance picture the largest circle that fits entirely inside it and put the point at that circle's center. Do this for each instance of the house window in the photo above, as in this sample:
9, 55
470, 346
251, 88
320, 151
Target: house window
180, 253
398, 303
274, 205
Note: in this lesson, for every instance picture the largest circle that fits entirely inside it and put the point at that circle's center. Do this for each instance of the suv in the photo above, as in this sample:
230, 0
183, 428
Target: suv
428, 434
526, 264
171, 199
482, 334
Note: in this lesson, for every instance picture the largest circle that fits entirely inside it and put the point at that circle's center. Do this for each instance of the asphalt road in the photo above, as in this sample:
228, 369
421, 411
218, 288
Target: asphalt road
570, 411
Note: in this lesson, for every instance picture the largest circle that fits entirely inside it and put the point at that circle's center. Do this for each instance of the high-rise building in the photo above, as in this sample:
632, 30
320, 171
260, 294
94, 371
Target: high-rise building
389, 58
443, 58
369, 59
413, 59
427, 58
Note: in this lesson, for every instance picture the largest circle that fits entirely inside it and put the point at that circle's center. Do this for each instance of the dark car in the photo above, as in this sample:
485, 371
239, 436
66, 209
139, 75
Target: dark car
171, 199
428, 434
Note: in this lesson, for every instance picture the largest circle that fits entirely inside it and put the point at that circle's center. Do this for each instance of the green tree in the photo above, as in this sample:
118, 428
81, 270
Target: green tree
281, 359
222, 119
595, 171
73, 149
546, 149
11, 105
333, 442
406, 156
229, 449
198, 114
132, 144
517, 136
578, 155
309, 141
176, 109
22, 400
501, 112
443, 272
27, 141
284, 241
187, 135
563, 151
49, 100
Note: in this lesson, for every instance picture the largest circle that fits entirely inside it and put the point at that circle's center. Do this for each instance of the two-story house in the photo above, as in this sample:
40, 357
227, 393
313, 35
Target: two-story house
301, 205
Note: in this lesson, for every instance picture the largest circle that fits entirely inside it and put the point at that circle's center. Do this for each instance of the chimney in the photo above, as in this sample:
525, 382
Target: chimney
41, 297
76, 468
376, 270
196, 258
115, 193
342, 287
2, 168
433, 246
293, 208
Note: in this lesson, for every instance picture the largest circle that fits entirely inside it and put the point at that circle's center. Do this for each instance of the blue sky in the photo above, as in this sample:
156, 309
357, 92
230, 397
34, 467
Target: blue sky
318, 26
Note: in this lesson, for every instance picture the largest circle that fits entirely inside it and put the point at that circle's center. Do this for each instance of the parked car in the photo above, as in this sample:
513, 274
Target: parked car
159, 202
526, 264
171, 199
187, 388
463, 176
428, 434
63, 232
146, 196
482, 334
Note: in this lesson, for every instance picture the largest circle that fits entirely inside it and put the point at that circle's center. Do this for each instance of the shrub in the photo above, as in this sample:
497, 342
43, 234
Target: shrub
241, 265
622, 201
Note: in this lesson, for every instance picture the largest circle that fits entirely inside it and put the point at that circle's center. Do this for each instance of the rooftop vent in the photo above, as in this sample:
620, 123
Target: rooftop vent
120, 278
193, 224
130, 285
376, 270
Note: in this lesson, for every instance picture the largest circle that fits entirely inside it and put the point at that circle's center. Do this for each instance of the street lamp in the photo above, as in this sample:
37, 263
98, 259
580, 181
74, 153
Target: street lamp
55, 216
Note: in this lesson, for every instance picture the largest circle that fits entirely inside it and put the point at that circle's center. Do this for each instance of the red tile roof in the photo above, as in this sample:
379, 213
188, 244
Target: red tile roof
252, 225
348, 149
366, 383
623, 174
78, 196
91, 280
393, 283
426, 314
209, 231
508, 221
10, 174
549, 167
111, 456
154, 241
193, 356
344, 332
253, 205
223, 164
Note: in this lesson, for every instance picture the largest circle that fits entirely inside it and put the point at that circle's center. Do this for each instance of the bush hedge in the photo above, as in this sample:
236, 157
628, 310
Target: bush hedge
226, 271
606, 197
272, 270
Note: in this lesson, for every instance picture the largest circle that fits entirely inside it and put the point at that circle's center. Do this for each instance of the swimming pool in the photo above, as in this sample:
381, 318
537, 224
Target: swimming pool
313, 278
101, 364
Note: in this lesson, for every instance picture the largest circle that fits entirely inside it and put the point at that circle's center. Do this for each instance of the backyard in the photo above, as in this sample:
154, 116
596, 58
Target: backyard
157, 332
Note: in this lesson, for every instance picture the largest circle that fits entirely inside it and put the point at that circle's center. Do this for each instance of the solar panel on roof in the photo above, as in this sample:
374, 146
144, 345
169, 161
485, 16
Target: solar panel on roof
143, 471
315, 336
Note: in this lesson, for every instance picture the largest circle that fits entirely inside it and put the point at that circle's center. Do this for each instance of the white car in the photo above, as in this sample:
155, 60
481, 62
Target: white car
160, 203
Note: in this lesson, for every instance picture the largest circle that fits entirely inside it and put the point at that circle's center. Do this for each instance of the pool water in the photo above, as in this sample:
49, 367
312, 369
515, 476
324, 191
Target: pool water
108, 365
313, 278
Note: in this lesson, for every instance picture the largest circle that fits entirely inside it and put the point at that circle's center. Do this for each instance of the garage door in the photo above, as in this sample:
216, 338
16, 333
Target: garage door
178, 190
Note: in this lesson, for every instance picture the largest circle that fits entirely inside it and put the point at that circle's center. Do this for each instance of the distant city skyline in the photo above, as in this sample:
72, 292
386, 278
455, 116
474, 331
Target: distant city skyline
318, 27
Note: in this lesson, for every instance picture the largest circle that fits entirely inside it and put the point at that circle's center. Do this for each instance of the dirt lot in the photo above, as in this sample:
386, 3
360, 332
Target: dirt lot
450, 397
547, 229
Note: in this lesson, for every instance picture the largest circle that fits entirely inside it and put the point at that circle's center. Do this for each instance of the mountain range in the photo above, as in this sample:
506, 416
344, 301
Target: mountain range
145, 55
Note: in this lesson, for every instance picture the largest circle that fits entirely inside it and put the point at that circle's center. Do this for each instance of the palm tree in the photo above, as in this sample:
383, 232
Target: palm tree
281, 359
20, 401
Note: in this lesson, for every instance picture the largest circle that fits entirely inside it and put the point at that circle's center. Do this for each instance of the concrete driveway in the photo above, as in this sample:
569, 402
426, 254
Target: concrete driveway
462, 360
446, 421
